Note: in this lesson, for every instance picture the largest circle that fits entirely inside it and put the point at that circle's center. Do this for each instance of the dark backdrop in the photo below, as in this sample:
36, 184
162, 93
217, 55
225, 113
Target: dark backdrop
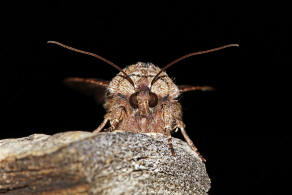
229, 126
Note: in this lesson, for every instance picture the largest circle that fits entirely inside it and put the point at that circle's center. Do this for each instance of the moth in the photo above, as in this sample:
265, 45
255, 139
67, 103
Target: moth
141, 98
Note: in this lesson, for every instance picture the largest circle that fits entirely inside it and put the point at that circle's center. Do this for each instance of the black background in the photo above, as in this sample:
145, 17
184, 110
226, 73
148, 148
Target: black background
233, 127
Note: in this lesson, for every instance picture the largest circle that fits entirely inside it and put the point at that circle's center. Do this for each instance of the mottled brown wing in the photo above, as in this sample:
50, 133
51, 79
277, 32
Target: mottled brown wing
186, 88
88, 86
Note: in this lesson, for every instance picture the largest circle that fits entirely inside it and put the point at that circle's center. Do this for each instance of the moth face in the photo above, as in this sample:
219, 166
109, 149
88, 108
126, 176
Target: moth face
142, 74
143, 100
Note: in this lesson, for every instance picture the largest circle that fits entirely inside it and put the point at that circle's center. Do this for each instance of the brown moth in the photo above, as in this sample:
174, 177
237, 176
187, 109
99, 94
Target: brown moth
141, 98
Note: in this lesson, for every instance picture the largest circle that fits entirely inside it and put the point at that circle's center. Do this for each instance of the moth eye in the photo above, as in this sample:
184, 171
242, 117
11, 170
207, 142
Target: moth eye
153, 99
133, 100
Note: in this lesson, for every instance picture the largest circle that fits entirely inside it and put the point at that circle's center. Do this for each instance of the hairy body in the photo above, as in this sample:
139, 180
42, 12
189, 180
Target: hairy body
144, 107
164, 117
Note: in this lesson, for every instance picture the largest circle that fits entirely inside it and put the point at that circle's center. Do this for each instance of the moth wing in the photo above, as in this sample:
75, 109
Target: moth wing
89, 86
186, 88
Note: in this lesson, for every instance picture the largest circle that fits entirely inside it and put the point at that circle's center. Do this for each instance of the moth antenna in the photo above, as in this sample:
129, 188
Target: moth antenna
96, 56
189, 55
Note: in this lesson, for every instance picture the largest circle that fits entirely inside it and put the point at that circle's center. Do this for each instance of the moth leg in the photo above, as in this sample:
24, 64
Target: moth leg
114, 125
181, 125
101, 126
169, 140
115, 117
167, 118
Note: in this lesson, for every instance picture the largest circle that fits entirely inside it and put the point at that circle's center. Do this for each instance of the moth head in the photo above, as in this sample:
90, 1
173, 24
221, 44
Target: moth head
143, 100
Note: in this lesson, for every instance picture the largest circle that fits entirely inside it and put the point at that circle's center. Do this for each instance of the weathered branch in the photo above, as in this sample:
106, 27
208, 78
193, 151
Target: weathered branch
106, 163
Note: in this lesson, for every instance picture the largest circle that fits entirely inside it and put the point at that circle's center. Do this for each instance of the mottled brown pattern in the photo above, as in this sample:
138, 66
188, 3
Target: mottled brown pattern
137, 110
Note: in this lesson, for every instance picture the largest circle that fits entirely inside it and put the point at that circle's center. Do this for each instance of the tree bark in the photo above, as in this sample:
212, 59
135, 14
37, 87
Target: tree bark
80, 162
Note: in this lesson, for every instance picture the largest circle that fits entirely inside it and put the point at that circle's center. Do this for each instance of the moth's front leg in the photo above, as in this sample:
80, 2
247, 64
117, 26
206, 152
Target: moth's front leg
180, 124
115, 116
167, 117
172, 116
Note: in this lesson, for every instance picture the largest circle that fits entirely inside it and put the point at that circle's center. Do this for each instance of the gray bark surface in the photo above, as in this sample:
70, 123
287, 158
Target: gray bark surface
80, 162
